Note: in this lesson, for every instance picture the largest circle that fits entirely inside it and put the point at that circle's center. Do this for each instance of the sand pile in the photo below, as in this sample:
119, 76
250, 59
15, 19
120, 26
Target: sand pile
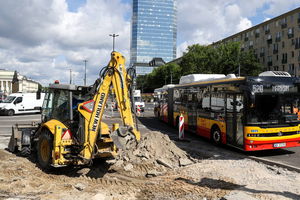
154, 154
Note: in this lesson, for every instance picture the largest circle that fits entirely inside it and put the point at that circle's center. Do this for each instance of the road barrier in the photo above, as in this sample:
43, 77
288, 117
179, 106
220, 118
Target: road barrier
181, 127
138, 110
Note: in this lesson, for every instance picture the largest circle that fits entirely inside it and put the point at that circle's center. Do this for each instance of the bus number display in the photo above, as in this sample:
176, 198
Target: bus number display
280, 88
257, 88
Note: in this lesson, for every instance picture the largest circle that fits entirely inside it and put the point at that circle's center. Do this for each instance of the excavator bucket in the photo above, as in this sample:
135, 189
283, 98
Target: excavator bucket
15, 139
124, 138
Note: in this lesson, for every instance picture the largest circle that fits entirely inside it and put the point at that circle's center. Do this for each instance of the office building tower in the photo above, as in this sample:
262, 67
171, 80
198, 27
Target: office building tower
154, 31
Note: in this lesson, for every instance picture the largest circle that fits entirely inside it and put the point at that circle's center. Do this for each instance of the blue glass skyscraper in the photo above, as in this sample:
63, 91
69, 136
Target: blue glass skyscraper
154, 30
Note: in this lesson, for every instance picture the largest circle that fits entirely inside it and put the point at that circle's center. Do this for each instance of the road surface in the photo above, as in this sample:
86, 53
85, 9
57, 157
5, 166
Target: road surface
6, 122
289, 156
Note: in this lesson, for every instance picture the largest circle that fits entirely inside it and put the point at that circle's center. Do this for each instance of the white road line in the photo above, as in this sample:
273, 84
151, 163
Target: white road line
20, 116
25, 120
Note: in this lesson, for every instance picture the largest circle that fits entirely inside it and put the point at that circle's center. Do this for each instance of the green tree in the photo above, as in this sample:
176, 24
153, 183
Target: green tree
223, 59
198, 59
227, 58
249, 64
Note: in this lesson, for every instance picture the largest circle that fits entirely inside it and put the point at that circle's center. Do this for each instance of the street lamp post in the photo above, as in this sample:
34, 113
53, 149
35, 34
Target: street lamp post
85, 61
70, 76
113, 36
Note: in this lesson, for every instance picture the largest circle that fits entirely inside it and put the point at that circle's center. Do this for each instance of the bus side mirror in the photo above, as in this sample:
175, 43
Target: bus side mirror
38, 94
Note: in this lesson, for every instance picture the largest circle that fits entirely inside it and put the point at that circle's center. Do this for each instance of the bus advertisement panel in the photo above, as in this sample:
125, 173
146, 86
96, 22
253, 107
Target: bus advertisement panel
249, 113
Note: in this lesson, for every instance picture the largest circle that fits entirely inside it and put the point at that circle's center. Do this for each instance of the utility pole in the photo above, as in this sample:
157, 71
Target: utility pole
113, 36
70, 76
239, 59
85, 61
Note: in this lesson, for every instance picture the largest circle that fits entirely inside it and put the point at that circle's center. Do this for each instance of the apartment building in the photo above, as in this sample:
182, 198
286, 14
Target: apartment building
276, 42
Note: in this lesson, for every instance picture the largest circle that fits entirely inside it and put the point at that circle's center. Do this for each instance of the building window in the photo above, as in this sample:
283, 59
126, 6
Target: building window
297, 43
284, 23
284, 58
247, 36
290, 32
250, 44
275, 48
269, 60
292, 54
262, 52
278, 37
282, 44
267, 29
269, 39
257, 33
242, 47
291, 69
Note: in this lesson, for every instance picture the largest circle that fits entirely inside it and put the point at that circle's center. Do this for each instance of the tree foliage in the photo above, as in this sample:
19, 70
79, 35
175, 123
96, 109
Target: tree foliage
223, 59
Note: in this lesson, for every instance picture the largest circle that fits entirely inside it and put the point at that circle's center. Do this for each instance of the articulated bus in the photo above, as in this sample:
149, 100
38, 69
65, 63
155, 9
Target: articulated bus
249, 113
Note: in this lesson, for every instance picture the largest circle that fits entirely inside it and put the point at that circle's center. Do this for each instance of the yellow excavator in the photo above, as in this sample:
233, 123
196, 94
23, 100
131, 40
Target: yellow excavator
72, 131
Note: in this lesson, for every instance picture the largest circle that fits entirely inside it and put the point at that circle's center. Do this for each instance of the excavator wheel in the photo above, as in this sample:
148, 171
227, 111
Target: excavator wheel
25, 151
44, 149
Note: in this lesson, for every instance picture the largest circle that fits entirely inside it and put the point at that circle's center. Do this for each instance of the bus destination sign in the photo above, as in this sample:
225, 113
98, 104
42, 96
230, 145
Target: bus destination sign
274, 88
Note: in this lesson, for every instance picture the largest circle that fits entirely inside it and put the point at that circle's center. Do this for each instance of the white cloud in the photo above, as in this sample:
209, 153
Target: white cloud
43, 40
277, 7
208, 21
244, 24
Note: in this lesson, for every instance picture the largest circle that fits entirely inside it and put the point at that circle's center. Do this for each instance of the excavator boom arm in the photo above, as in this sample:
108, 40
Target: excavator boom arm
115, 75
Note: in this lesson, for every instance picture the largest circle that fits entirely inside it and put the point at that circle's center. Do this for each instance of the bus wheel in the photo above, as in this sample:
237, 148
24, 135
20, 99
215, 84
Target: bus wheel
44, 149
216, 135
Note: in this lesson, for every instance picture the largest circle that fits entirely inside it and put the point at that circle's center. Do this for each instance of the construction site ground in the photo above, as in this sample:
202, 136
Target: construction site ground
161, 167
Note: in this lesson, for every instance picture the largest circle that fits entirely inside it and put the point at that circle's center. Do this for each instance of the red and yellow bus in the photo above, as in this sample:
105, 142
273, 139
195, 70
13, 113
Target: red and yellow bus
249, 113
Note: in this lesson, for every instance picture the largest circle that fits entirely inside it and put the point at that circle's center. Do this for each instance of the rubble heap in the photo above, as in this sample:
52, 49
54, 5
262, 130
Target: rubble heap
156, 151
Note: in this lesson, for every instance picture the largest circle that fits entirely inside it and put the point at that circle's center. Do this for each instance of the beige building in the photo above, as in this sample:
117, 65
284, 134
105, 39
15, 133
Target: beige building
12, 81
276, 42
6, 81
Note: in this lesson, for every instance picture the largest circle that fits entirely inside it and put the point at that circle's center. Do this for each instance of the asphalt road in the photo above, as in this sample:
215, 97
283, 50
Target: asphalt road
289, 156
6, 122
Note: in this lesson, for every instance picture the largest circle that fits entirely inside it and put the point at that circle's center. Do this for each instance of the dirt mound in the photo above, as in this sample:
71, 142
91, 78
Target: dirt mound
154, 154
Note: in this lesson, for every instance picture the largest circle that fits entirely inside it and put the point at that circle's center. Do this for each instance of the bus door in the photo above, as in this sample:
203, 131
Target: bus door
192, 110
170, 103
234, 114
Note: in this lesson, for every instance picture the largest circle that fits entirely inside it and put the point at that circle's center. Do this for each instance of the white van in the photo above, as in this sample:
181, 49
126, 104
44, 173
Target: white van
18, 103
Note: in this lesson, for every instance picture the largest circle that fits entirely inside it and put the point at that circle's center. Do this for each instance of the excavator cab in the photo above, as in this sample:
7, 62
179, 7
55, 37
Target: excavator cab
61, 102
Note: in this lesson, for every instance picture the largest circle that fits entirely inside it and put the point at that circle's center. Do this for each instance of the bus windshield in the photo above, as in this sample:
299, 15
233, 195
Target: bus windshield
9, 99
274, 109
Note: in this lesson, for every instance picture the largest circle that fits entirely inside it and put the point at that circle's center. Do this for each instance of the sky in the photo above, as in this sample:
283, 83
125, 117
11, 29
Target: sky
44, 39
